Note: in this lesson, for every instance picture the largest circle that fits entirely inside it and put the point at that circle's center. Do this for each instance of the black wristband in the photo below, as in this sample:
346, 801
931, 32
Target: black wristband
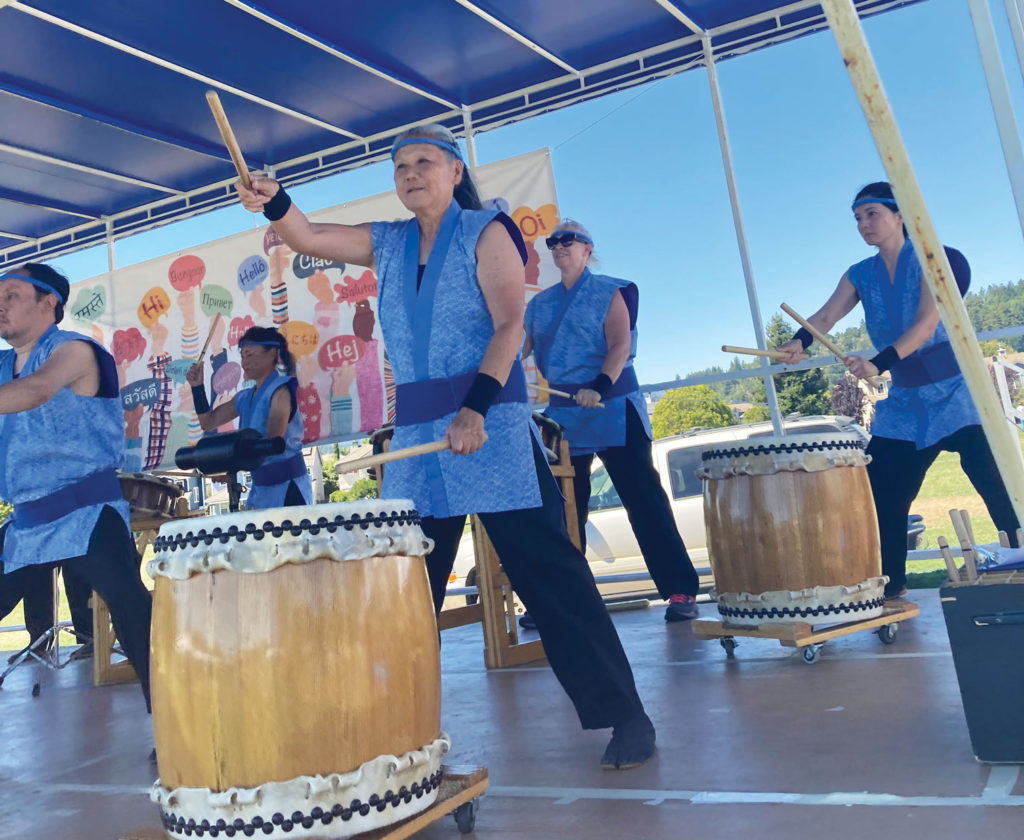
481, 393
602, 384
277, 206
804, 336
199, 400
886, 359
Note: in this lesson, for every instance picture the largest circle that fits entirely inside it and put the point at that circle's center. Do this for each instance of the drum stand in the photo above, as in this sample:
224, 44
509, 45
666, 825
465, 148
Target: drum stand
39, 650
461, 788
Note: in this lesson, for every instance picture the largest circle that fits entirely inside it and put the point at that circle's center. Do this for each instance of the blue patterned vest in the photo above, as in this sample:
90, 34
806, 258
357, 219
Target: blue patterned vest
58, 461
436, 339
567, 330
928, 400
270, 480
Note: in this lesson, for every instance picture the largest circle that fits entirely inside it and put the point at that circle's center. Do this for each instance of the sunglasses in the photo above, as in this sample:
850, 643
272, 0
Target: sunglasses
564, 239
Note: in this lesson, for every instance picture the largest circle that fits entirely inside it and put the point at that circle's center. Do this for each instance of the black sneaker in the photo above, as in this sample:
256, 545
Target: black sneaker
526, 622
84, 652
681, 608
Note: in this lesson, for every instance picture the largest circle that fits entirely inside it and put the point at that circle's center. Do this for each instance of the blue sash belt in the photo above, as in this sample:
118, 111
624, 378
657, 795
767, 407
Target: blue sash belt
279, 472
923, 368
627, 383
431, 399
92, 490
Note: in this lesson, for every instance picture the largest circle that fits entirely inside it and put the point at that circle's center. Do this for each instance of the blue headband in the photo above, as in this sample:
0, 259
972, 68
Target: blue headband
39, 284
582, 237
251, 343
430, 141
869, 199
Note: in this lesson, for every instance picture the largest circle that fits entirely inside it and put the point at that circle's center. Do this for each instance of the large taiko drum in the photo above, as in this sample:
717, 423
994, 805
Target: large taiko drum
791, 529
295, 672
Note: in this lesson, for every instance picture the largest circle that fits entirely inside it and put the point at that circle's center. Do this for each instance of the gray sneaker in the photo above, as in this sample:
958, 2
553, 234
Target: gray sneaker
681, 608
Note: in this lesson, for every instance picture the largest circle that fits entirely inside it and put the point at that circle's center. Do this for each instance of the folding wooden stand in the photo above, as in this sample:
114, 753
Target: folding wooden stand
460, 789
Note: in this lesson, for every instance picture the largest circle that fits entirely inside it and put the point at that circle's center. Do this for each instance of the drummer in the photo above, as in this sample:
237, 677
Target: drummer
270, 407
582, 333
61, 442
929, 408
451, 298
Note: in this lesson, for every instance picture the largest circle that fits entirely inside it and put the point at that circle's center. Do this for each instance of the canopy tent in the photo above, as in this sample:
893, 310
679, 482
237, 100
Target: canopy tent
104, 130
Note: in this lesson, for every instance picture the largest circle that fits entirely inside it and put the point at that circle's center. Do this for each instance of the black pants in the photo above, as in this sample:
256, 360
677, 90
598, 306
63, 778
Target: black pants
631, 469
111, 567
557, 587
897, 470
37, 603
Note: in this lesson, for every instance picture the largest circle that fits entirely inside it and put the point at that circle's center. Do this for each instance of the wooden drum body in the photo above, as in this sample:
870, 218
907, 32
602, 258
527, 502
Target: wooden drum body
149, 496
295, 672
791, 530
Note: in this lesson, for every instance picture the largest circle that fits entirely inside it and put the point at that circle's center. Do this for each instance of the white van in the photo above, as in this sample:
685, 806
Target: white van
611, 546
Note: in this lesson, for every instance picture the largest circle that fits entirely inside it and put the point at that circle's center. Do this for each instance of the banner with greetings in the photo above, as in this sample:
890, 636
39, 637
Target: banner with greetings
155, 316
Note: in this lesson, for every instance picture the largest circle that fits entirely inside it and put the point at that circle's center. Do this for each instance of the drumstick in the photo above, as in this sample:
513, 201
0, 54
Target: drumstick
565, 394
209, 336
229, 137
391, 455
752, 351
825, 341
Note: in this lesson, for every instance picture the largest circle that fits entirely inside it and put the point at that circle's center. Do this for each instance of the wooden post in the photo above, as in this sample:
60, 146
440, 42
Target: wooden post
842, 18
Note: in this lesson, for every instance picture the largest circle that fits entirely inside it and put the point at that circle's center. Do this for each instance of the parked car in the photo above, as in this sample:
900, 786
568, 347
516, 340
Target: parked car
611, 546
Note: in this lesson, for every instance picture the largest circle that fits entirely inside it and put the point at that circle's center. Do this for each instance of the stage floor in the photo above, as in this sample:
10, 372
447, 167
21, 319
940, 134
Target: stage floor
869, 740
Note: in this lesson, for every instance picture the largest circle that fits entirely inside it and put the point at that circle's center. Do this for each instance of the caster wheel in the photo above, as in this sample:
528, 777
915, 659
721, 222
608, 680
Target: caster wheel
887, 633
810, 654
465, 816
729, 644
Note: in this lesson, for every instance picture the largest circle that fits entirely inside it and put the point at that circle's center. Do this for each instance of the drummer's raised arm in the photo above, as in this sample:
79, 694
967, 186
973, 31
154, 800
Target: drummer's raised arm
342, 243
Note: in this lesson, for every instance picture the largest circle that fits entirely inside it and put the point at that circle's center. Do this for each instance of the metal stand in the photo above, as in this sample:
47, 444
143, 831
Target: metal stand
39, 649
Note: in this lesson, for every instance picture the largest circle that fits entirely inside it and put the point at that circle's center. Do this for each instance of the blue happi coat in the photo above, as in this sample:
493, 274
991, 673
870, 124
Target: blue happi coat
567, 331
58, 461
436, 339
271, 479
928, 400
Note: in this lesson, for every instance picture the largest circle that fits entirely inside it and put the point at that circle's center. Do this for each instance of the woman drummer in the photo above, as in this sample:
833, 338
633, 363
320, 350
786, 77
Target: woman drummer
451, 299
582, 333
929, 408
270, 408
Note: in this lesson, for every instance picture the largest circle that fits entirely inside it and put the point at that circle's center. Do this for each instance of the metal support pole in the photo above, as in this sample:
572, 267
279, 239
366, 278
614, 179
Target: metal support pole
842, 18
741, 237
1013, 15
999, 93
467, 121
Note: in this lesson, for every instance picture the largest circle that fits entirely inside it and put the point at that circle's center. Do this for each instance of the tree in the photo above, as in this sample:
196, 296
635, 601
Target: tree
5, 510
800, 392
330, 476
756, 413
684, 408
364, 488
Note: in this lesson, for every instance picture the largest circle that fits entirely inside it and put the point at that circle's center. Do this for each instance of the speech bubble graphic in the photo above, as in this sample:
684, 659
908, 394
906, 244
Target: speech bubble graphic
186, 272
89, 305
177, 369
536, 224
338, 350
155, 303
227, 377
215, 299
271, 240
238, 328
127, 345
354, 289
252, 271
140, 392
303, 266
302, 337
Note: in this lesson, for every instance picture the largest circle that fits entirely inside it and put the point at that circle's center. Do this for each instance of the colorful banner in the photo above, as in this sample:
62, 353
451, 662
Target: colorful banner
155, 316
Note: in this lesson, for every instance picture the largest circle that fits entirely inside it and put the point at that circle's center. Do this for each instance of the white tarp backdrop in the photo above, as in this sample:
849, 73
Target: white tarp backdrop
155, 316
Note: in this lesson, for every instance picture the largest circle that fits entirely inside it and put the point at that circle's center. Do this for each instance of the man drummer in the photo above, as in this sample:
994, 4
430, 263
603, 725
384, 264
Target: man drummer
451, 298
61, 442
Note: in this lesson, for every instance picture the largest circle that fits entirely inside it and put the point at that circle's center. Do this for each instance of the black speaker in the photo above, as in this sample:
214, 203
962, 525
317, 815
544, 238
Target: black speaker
985, 621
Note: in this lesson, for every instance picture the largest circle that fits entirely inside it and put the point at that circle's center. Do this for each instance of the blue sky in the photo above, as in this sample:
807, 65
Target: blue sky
642, 169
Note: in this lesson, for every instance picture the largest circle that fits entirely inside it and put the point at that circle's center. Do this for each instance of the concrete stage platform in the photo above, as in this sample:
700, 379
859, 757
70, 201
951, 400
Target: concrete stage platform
870, 740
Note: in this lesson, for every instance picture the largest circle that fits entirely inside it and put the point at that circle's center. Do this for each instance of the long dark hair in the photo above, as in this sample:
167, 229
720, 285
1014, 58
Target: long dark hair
881, 189
272, 336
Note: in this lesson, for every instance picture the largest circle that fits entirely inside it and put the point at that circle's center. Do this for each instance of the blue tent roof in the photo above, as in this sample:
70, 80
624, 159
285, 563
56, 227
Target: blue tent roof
104, 126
